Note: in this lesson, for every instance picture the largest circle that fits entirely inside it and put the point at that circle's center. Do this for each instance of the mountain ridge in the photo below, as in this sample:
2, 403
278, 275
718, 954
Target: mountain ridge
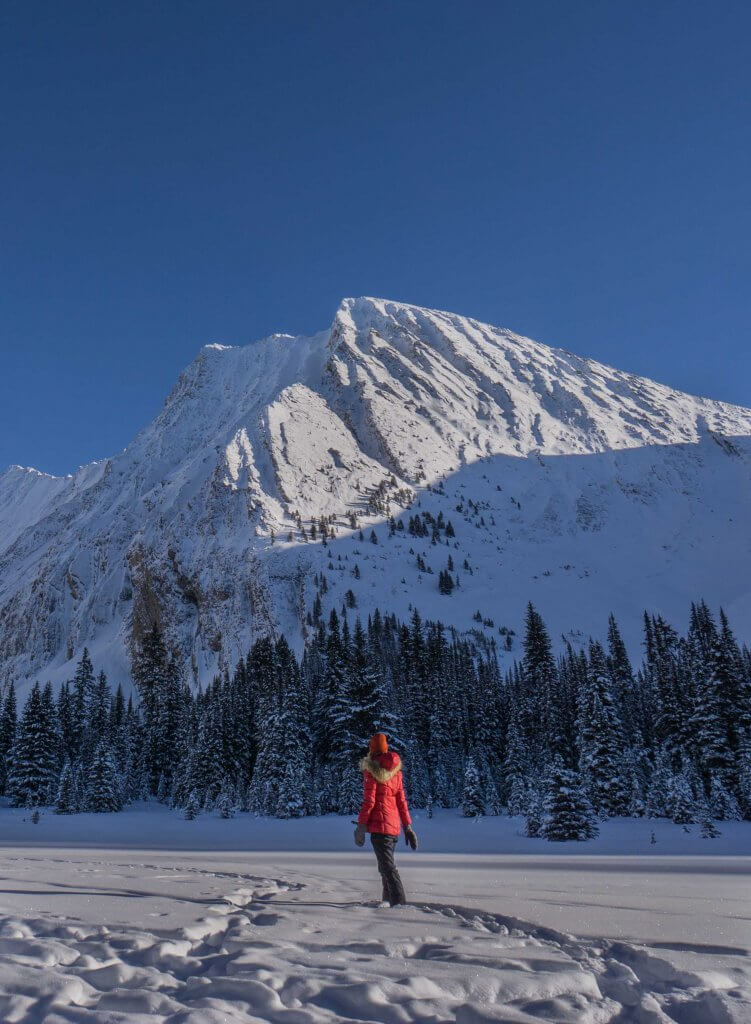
192, 521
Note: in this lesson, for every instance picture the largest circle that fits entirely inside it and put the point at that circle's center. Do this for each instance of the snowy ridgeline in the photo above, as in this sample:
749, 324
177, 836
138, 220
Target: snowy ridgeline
121, 919
330, 468
566, 742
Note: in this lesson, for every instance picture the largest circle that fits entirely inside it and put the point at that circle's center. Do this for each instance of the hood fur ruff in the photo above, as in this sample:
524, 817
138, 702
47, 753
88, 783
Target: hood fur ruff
380, 774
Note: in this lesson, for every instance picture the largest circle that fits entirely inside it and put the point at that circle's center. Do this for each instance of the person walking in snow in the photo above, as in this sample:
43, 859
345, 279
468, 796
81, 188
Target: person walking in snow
383, 813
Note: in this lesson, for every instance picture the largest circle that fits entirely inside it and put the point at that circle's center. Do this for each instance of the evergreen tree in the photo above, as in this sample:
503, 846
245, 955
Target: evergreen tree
363, 690
473, 803
225, 804
540, 720
681, 800
744, 780
82, 689
722, 803
290, 800
103, 786
445, 582
208, 766
715, 683
150, 673
623, 685
601, 739
515, 771
568, 813
67, 796
98, 710
192, 806
707, 827
658, 793
71, 727
535, 814
671, 710
7, 734
33, 775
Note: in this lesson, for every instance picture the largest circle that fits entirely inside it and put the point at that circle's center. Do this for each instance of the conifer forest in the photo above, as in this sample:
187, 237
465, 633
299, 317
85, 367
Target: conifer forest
563, 741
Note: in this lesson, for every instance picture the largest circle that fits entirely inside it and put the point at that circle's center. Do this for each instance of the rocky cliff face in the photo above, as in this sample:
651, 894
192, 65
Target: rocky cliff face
568, 483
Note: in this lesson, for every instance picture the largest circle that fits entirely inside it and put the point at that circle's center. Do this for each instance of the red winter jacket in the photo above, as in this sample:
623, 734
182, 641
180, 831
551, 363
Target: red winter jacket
384, 803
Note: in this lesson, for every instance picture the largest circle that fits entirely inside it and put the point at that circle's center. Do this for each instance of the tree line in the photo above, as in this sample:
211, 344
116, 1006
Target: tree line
565, 741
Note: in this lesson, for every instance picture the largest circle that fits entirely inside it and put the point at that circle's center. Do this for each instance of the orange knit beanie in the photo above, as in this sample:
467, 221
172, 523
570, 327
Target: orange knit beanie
378, 744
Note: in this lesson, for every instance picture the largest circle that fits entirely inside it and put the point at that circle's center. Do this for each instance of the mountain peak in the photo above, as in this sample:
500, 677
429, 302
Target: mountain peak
558, 472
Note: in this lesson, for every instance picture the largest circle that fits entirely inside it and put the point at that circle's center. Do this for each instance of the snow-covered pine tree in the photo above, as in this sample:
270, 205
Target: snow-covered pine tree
364, 689
268, 768
96, 728
162, 789
572, 671
637, 806
67, 795
671, 704
345, 749
535, 814
601, 739
658, 791
519, 796
32, 780
239, 720
515, 771
623, 685
134, 772
70, 727
722, 802
568, 812
192, 806
150, 673
744, 779
103, 785
494, 803
714, 685
118, 729
8, 722
169, 719
208, 776
539, 720
737, 690
293, 797
82, 688
293, 784
707, 827
225, 804
681, 802
473, 802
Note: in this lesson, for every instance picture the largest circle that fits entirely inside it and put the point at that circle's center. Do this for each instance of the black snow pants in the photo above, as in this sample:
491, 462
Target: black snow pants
393, 890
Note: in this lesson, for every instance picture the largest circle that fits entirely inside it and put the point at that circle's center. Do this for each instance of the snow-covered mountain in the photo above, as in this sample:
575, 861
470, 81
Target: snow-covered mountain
568, 483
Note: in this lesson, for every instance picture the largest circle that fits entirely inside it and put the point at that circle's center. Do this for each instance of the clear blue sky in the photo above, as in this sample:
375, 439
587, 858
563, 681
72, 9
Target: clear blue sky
174, 173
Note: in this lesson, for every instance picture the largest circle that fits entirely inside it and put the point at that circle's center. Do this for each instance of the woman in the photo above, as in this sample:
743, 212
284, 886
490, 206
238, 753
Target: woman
384, 810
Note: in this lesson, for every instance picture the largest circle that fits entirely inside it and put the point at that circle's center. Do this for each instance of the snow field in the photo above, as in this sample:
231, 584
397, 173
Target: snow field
183, 936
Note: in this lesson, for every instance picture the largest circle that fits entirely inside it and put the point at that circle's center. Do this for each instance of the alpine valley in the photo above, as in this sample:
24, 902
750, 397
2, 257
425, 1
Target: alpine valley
403, 459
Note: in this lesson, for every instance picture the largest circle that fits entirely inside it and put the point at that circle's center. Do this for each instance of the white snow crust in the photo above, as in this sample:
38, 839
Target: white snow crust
144, 917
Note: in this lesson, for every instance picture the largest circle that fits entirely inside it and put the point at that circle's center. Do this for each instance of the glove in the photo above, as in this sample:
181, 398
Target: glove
360, 835
410, 836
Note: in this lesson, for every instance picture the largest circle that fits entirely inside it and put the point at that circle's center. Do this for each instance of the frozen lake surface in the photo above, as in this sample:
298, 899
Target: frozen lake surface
143, 916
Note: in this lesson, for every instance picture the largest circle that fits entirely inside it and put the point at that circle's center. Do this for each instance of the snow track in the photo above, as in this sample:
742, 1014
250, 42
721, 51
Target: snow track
189, 945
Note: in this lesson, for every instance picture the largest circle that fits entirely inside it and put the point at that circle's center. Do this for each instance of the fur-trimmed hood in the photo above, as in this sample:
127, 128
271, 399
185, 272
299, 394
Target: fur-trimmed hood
382, 766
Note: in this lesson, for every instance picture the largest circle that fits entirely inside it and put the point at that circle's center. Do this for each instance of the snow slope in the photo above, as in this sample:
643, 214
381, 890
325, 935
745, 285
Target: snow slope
112, 933
594, 490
